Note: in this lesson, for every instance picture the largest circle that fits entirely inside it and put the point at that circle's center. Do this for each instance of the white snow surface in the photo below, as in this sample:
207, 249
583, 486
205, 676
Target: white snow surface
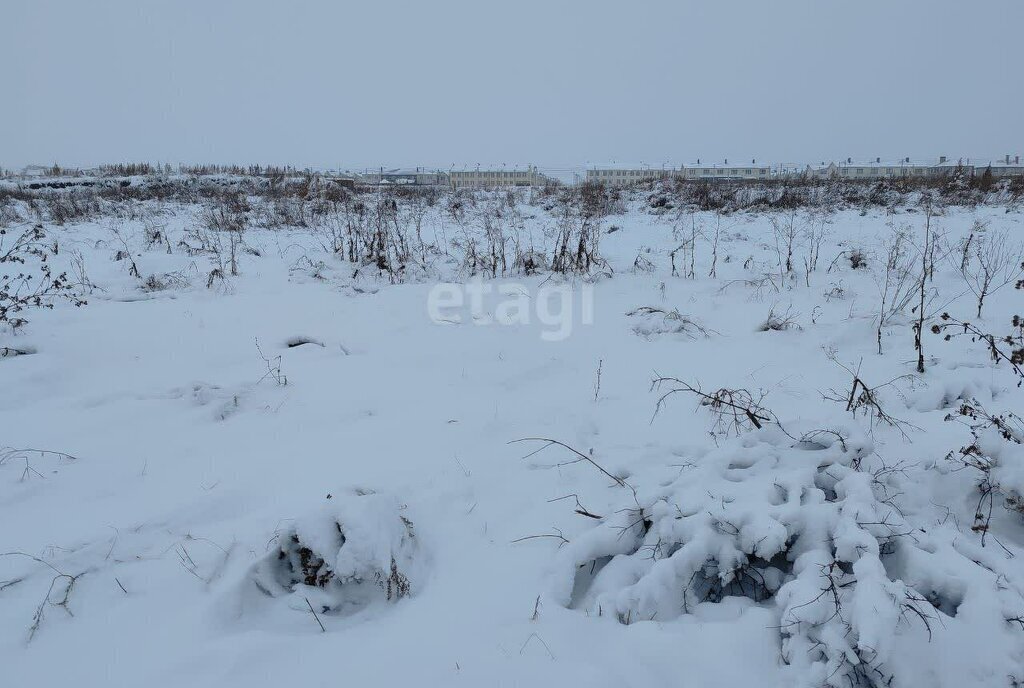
192, 468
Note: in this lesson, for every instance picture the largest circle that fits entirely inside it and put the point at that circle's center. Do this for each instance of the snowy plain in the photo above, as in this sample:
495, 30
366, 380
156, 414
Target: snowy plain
195, 460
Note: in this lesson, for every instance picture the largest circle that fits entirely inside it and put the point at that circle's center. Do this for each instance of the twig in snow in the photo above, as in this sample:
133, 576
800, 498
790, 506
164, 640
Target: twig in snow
273, 368
580, 509
582, 457
313, 612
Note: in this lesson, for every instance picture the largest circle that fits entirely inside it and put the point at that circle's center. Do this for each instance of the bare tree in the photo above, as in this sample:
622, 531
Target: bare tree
814, 234
415, 211
895, 279
787, 229
926, 254
686, 225
715, 237
989, 262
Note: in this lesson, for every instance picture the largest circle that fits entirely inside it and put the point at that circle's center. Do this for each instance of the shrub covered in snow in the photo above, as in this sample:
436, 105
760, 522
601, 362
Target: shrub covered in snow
355, 550
811, 530
650, 322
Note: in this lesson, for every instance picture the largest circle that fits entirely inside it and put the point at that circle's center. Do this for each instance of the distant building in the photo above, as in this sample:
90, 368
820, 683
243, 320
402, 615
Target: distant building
874, 169
879, 169
622, 176
753, 171
36, 171
405, 177
1003, 168
489, 179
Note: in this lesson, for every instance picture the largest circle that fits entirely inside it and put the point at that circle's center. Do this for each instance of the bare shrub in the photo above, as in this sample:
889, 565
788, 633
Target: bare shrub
26, 279
990, 261
896, 279
1008, 348
734, 411
716, 237
223, 224
993, 435
856, 257
865, 399
577, 235
688, 229
164, 281
786, 229
642, 263
780, 322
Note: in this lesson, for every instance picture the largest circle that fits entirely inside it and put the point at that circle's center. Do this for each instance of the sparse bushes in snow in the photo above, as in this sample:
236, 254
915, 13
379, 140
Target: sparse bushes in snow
577, 235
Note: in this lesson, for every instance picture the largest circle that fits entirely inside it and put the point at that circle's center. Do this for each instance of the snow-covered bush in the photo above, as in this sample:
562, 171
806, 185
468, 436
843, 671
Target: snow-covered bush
810, 530
650, 322
355, 550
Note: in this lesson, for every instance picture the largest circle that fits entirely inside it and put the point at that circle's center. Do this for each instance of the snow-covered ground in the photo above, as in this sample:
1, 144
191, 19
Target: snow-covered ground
210, 462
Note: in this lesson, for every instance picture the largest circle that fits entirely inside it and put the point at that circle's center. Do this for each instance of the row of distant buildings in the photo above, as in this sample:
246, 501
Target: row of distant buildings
617, 175
846, 169
457, 179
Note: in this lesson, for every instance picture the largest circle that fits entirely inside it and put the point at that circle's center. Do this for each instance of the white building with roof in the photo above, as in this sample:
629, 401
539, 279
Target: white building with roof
1007, 167
882, 169
751, 172
874, 169
494, 178
613, 175
622, 176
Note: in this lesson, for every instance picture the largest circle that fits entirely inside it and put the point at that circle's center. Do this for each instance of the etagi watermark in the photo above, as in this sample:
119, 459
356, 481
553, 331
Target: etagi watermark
512, 303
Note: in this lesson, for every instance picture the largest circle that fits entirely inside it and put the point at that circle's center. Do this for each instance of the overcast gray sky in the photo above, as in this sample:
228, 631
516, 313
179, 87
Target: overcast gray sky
557, 84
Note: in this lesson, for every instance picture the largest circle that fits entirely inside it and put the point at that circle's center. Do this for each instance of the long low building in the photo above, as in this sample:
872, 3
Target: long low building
622, 176
490, 179
615, 176
1003, 168
880, 169
846, 169
727, 171
877, 169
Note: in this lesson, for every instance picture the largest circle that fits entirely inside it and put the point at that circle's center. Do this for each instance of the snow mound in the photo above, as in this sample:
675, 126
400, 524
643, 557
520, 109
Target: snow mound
812, 530
356, 550
650, 323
